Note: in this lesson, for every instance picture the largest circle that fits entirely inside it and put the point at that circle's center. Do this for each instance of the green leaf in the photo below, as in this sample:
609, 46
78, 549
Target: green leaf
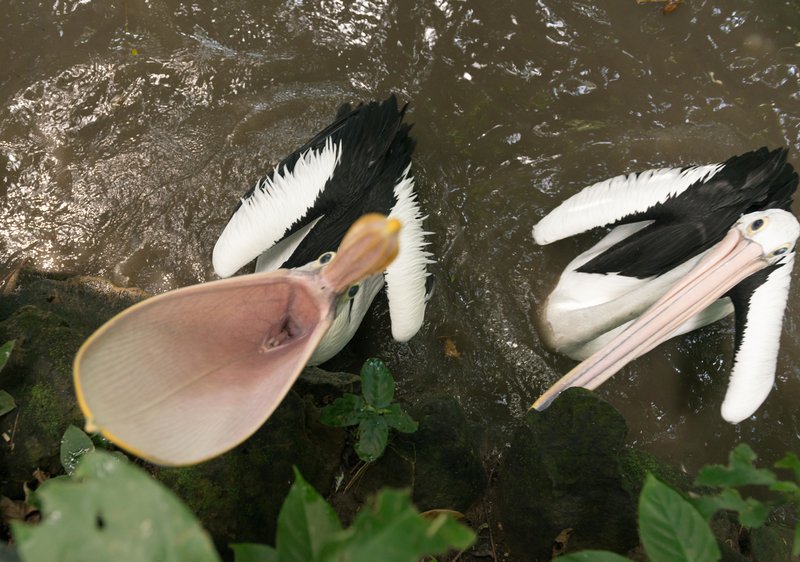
752, 513
377, 383
390, 529
306, 524
400, 420
111, 510
5, 352
796, 545
593, 556
74, 445
6, 402
790, 461
785, 487
348, 410
250, 552
671, 529
740, 471
373, 434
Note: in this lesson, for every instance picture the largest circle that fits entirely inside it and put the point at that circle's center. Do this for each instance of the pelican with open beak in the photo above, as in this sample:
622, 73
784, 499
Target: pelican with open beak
189, 374
689, 247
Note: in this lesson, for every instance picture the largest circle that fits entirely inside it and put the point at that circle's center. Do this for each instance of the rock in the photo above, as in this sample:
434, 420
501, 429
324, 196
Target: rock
439, 461
635, 464
50, 317
326, 386
562, 471
238, 495
38, 376
770, 543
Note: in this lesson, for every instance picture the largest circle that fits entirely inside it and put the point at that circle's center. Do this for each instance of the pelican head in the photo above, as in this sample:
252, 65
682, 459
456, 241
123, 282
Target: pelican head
186, 375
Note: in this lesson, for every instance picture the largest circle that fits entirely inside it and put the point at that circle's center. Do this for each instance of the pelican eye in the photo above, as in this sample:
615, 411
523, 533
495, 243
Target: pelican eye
326, 257
353, 291
757, 225
780, 251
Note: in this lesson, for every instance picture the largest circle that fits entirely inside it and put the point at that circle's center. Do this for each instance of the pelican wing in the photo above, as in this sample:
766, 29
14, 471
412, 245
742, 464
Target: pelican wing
759, 303
622, 199
406, 276
189, 374
275, 208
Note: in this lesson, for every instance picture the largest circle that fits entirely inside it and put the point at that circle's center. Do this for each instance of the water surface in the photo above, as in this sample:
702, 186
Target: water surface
129, 129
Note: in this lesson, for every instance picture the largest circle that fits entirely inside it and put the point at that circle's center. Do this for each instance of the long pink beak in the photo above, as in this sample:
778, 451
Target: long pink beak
734, 259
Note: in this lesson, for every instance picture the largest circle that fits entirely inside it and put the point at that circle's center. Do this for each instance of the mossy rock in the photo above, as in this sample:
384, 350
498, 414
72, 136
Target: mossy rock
636, 464
770, 543
85, 303
440, 461
562, 471
238, 495
38, 376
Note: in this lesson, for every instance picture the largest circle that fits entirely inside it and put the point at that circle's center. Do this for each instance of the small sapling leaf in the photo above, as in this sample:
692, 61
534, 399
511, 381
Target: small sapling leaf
373, 434
348, 410
739, 472
377, 383
400, 420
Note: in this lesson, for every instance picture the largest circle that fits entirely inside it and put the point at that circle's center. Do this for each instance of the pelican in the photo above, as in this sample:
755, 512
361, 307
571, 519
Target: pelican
359, 164
186, 375
688, 247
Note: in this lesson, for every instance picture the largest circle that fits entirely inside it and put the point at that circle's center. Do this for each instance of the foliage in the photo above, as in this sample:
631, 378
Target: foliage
6, 400
389, 529
675, 529
110, 510
74, 444
374, 413
670, 528
5, 352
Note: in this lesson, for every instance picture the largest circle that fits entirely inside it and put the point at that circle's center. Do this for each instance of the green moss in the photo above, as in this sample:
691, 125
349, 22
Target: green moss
635, 464
45, 410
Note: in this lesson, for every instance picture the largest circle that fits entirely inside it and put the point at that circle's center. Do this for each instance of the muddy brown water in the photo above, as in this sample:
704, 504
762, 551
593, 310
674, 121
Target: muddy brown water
129, 129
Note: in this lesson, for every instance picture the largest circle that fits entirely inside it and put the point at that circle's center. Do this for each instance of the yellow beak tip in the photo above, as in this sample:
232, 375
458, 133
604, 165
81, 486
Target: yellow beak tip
392, 227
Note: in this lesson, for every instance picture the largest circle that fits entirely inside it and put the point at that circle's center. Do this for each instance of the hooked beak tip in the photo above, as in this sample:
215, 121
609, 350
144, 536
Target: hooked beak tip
391, 227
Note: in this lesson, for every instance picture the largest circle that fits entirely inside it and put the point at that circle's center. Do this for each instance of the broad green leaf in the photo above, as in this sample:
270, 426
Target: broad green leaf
593, 556
373, 434
111, 510
752, 513
250, 552
790, 461
400, 420
348, 410
306, 524
74, 445
739, 472
5, 352
377, 383
671, 529
6, 402
390, 529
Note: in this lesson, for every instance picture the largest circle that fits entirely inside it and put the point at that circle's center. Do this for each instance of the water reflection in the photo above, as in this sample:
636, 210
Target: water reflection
127, 166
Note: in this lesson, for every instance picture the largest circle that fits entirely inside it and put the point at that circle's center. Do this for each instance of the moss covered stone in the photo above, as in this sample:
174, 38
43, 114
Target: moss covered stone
39, 377
563, 472
238, 495
439, 461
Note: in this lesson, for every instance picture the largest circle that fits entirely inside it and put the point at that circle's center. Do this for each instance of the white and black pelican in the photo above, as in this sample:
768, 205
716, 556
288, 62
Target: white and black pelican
186, 375
301, 210
689, 246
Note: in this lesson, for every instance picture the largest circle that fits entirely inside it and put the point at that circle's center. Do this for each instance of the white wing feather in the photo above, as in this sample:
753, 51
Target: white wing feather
611, 200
